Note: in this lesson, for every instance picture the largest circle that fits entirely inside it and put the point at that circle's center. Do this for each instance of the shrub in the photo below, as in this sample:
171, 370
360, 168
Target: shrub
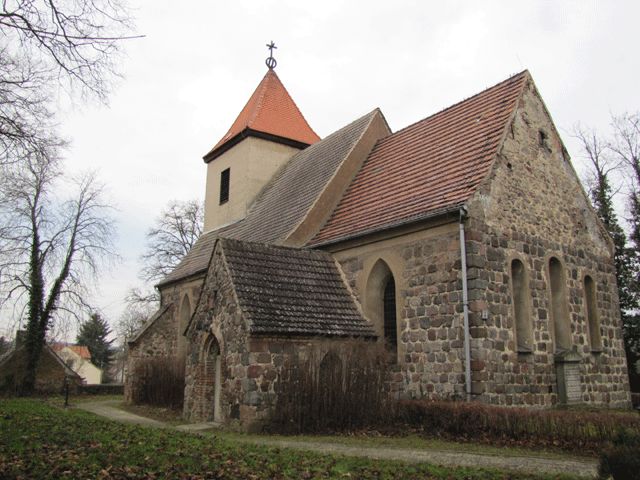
160, 382
341, 390
563, 428
621, 462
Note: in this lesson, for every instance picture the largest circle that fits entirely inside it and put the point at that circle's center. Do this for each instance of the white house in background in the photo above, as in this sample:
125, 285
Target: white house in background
78, 358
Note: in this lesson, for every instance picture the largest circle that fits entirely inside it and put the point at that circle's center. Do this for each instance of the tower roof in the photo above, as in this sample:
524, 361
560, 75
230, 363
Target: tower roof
270, 113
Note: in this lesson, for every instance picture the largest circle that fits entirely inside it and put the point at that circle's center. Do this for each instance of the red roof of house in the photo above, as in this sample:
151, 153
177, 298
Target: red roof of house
427, 167
271, 111
81, 350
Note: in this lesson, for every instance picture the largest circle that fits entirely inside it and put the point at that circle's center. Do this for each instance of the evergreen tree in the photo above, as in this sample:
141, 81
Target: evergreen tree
93, 333
624, 257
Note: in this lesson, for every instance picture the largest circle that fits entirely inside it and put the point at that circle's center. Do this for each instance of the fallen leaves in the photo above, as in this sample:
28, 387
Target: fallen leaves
40, 441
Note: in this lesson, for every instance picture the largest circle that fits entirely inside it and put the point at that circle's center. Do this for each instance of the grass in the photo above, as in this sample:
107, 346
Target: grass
58, 400
363, 439
411, 441
40, 440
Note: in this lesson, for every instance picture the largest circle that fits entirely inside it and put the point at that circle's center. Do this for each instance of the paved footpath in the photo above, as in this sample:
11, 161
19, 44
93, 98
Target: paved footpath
529, 464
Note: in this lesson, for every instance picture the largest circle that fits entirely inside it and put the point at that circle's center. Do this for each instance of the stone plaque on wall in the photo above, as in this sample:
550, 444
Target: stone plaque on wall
568, 377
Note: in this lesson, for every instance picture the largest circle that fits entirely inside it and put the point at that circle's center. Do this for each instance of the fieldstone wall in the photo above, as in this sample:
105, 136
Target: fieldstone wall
426, 269
533, 208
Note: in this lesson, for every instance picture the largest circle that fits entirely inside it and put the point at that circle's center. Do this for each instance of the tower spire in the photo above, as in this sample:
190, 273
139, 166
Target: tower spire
271, 62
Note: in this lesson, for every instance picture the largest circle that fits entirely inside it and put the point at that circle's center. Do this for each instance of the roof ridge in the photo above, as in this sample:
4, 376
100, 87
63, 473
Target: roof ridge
270, 246
452, 106
259, 101
295, 105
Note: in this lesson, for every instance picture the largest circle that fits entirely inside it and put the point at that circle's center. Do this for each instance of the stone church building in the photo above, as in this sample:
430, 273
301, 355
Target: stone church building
464, 242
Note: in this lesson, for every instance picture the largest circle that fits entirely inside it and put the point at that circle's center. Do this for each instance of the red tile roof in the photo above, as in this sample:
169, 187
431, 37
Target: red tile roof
427, 167
80, 350
271, 111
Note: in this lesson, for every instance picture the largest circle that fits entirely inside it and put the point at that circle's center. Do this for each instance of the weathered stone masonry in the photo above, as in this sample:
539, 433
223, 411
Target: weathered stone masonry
530, 208
533, 208
426, 268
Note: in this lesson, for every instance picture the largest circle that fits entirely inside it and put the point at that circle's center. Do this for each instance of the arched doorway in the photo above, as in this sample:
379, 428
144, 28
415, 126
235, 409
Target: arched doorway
211, 381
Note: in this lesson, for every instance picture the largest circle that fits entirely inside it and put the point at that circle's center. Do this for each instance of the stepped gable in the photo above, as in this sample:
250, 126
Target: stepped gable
288, 291
270, 113
284, 201
429, 167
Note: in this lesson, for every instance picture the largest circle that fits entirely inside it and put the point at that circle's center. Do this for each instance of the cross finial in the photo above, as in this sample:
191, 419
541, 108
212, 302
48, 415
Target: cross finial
271, 62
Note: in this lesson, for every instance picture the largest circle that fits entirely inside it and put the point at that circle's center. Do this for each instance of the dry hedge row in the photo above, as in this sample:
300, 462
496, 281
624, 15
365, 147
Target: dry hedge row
340, 390
344, 390
562, 428
160, 382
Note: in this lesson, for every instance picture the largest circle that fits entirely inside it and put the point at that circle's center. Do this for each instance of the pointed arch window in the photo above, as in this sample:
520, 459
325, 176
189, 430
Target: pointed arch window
559, 308
521, 307
389, 307
595, 337
183, 321
381, 306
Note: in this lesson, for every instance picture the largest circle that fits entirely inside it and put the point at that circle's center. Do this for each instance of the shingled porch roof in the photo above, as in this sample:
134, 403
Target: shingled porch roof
289, 291
432, 166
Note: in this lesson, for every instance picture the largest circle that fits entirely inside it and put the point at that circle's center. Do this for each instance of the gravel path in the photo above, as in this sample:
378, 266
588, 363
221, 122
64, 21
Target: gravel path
529, 464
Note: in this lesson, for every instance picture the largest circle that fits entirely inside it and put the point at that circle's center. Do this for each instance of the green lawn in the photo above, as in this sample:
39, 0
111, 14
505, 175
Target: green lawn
40, 440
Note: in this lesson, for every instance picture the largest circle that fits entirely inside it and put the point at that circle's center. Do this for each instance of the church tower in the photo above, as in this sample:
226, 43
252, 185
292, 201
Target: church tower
268, 131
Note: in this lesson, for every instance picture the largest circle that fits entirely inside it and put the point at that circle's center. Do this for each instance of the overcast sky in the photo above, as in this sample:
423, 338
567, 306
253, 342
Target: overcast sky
188, 78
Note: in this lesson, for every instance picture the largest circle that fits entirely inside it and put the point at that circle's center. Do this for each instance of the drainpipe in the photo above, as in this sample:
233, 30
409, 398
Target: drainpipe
465, 306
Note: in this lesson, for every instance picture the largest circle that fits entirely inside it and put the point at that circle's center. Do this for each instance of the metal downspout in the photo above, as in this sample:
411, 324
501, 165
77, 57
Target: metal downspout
465, 306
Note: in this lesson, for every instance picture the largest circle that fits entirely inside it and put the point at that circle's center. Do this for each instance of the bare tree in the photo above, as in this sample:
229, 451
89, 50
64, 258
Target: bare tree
48, 45
26, 122
626, 145
602, 164
133, 318
174, 233
50, 247
170, 239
